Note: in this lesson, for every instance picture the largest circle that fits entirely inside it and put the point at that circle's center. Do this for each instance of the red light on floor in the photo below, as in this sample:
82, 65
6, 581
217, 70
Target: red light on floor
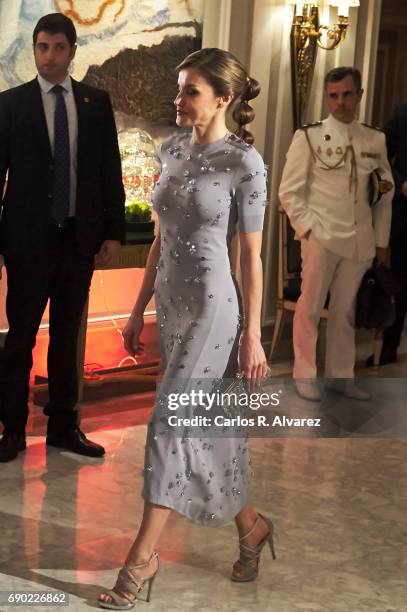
104, 347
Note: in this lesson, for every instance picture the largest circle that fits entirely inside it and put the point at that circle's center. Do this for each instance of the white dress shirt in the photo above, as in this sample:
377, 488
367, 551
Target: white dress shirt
49, 101
325, 187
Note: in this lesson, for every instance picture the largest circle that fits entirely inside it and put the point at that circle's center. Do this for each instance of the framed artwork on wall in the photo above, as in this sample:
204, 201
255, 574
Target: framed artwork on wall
127, 47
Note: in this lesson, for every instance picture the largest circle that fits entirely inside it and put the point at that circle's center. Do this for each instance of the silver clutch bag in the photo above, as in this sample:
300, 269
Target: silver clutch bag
237, 389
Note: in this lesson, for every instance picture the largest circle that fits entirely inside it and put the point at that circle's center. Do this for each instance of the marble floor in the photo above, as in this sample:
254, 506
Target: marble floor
339, 507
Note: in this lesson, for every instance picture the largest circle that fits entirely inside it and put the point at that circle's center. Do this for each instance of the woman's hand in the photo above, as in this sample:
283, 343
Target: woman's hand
131, 335
135, 324
252, 360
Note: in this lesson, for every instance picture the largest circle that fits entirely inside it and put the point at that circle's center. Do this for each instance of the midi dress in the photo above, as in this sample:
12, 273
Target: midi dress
203, 194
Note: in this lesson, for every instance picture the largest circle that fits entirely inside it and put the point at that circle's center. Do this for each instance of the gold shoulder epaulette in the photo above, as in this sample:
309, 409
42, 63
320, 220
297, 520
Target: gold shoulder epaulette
372, 127
310, 125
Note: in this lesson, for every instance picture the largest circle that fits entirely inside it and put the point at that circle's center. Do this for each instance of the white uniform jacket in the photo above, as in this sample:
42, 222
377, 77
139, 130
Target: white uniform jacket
325, 187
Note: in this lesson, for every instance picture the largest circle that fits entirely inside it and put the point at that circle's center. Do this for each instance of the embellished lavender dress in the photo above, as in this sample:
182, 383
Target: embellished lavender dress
203, 193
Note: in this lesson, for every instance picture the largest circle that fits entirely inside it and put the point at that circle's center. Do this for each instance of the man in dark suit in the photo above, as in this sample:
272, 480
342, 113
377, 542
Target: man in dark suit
63, 203
396, 138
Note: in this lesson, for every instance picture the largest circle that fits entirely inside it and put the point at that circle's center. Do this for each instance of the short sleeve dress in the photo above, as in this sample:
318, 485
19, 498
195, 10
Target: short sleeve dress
204, 192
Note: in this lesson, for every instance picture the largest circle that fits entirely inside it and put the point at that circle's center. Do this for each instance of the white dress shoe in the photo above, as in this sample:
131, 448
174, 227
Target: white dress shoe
349, 388
354, 392
307, 389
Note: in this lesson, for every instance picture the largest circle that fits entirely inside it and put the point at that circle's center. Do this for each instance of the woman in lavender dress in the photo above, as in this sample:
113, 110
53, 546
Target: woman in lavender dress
211, 182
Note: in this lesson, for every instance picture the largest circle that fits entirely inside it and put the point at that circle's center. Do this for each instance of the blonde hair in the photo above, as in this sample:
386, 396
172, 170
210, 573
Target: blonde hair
226, 75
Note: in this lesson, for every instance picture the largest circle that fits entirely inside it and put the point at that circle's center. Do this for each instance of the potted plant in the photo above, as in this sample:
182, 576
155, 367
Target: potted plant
138, 217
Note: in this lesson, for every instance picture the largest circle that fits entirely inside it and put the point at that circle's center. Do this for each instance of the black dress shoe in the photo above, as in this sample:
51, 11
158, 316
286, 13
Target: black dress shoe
76, 442
10, 445
386, 356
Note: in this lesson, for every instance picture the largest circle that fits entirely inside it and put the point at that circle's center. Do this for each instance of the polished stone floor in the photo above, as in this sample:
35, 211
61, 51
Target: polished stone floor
339, 507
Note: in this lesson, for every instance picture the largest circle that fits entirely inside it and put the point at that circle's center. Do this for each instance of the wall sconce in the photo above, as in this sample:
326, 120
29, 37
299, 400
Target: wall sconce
306, 36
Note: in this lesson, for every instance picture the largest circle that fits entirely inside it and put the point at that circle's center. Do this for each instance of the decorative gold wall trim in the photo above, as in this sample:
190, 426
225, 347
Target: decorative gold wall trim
303, 58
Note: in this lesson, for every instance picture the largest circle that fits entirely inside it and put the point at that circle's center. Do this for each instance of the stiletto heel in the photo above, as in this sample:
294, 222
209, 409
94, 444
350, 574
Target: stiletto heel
273, 552
249, 560
270, 536
150, 587
125, 592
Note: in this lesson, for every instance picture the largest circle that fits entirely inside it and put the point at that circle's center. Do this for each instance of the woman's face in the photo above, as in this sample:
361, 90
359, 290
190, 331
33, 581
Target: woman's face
196, 102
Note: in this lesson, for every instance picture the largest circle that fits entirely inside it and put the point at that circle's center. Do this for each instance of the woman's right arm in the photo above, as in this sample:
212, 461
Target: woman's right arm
135, 324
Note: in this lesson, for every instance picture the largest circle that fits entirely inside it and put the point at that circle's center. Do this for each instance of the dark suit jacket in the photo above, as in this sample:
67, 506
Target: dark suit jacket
25, 153
396, 137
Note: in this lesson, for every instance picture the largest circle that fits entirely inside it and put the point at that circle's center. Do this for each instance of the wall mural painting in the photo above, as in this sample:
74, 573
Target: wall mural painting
127, 47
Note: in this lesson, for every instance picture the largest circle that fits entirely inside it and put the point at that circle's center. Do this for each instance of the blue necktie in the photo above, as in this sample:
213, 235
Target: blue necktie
60, 203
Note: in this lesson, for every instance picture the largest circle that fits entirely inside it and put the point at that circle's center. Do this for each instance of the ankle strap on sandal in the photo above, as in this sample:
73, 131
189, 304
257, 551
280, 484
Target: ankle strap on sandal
251, 530
154, 555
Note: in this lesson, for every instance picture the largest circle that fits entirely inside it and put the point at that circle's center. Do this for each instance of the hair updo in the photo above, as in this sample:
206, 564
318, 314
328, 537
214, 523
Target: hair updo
226, 75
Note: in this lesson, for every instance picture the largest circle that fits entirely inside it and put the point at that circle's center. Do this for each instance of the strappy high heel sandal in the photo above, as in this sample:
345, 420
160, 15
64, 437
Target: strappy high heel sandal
249, 560
125, 592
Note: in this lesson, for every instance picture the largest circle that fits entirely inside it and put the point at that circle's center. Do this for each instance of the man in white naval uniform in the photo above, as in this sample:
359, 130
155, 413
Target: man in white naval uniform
325, 193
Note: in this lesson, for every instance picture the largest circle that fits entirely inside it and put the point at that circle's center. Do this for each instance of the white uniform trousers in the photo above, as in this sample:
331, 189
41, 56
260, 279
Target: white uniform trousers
324, 271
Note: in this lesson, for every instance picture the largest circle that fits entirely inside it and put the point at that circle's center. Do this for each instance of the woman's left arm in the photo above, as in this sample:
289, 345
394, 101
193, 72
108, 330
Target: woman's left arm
251, 199
252, 358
